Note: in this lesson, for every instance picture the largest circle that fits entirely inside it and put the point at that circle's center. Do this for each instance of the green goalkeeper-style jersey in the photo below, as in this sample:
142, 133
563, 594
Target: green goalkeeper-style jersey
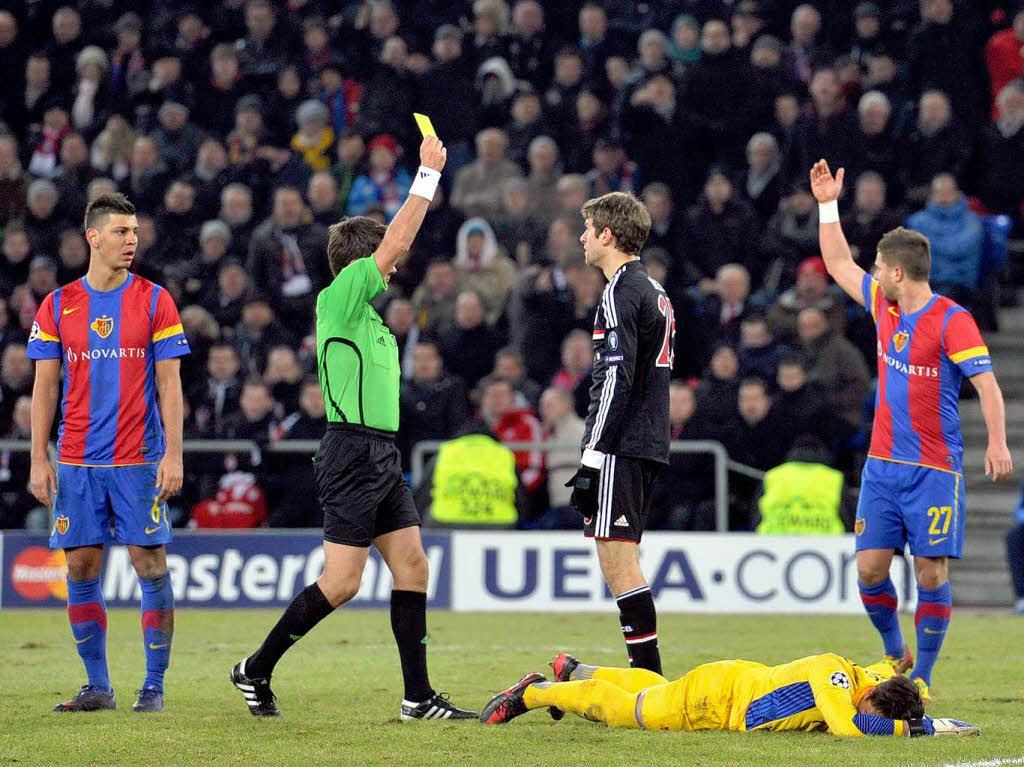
356, 355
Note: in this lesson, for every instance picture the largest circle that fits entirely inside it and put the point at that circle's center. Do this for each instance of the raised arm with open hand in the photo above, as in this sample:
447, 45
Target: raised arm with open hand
834, 248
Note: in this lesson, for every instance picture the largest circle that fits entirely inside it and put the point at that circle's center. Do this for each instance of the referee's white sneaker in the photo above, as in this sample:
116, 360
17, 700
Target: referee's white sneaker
256, 690
436, 707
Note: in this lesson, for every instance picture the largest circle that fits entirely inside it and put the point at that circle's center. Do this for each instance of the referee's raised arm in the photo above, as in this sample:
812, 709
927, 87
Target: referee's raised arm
406, 223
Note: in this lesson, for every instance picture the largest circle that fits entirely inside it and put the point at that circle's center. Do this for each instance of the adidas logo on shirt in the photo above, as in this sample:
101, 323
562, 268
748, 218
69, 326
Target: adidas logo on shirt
621, 522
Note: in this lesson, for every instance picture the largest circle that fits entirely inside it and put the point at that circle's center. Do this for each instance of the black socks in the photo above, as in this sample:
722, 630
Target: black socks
409, 623
640, 628
306, 610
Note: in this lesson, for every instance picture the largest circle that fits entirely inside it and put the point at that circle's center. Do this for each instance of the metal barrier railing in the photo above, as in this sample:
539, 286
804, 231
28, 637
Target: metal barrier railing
430, 447
716, 449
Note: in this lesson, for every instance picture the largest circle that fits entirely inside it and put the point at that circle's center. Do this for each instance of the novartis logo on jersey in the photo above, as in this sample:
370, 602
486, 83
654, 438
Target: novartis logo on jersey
903, 367
132, 352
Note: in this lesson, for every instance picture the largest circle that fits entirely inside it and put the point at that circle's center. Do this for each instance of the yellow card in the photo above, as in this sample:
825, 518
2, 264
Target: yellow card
426, 127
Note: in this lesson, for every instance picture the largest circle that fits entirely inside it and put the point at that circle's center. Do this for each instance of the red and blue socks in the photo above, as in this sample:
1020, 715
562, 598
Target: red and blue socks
640, 628
88, 615
880, 602
157, 628
934, 607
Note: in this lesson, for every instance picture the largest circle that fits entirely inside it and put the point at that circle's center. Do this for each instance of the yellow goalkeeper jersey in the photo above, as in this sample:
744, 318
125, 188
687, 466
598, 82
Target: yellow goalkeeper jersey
816, 693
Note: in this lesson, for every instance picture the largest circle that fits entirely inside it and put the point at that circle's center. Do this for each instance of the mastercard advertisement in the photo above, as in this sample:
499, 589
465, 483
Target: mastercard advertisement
36, 576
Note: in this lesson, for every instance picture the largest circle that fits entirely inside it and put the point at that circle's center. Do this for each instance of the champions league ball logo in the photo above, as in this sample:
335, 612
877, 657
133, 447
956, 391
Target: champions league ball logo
840, 679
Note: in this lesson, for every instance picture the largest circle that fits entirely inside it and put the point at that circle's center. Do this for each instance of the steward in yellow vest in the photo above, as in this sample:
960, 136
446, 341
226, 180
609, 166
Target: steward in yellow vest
473, 484
801, 497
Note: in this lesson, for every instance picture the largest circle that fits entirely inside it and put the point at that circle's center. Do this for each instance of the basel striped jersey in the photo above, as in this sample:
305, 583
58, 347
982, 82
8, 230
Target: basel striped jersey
922, 360
110, 342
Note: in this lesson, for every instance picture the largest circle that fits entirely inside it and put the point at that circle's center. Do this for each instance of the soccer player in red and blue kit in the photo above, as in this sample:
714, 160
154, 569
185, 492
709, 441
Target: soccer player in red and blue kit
118, 338
912, 487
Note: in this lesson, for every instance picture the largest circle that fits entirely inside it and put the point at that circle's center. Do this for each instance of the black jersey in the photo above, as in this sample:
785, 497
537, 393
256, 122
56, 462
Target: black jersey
634, 338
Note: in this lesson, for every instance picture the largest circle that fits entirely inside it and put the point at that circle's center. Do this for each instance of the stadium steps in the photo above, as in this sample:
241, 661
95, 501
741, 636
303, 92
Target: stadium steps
982, 577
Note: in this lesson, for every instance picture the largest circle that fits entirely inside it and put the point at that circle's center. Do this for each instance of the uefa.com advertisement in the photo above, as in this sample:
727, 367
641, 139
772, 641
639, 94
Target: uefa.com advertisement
687, 572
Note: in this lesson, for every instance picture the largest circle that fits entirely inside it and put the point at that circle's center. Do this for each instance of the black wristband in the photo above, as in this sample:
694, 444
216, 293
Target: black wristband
917, 728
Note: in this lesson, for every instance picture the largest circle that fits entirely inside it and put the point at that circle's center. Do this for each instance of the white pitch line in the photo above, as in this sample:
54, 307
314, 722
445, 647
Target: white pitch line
988, 763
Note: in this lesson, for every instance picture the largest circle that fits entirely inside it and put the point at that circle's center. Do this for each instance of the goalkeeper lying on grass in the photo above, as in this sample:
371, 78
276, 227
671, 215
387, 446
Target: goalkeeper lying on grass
818, 693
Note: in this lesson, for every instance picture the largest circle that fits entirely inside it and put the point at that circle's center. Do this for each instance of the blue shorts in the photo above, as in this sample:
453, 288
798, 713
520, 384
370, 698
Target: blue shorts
900, 503
100, 504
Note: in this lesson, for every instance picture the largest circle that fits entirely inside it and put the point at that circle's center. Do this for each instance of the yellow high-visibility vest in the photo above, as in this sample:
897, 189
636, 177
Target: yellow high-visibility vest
801, 499
474, 483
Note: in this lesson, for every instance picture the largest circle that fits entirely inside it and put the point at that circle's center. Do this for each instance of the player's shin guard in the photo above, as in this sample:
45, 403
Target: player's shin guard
409, 624
157, 628
306, 610
881, 603
640, 628
593, 699
934, 607
88, 615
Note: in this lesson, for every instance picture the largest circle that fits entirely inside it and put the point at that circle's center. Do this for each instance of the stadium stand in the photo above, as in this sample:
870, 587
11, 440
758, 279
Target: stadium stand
241, 130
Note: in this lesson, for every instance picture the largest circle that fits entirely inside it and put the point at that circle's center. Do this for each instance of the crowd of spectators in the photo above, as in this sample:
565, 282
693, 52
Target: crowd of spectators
242, 128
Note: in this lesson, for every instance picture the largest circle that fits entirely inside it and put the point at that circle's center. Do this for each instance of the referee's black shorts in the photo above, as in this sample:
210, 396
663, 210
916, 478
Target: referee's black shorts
624, 499
361, 486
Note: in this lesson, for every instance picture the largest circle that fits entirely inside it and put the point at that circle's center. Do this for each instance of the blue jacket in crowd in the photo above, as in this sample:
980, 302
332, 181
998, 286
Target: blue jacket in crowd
956, 236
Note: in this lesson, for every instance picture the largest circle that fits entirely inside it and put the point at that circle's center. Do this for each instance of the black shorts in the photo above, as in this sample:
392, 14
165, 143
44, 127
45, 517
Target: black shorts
361, 486
624, 498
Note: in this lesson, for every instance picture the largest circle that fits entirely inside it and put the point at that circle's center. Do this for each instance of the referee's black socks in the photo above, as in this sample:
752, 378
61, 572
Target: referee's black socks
409, 623
306, 610
640, 628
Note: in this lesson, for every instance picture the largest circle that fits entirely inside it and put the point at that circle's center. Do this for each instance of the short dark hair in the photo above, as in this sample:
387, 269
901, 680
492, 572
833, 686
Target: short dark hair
755, 318
898, 698
794, 359
488, 381
624, 215
104, 205
223, 345
352, 238
509, 351
756, 381
908, 249
255, 382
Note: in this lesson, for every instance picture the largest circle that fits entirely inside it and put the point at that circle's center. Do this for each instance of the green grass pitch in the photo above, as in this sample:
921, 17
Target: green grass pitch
340, 688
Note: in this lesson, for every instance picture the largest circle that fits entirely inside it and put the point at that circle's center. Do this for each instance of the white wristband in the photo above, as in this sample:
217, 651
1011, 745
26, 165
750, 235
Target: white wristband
425, 183
828, 212
592, 458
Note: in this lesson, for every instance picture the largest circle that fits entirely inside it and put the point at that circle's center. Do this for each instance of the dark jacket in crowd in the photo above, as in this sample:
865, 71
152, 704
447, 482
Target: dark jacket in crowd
430, 410
924, 157
683, 490
836, 139
716, 239
469, 353
720, 98
1000, 170
948, 57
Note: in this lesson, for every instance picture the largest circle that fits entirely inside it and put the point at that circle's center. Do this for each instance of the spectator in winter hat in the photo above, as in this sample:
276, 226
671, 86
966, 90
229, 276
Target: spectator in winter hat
315, 138
811, 290
384, 183
248, 132
483, 267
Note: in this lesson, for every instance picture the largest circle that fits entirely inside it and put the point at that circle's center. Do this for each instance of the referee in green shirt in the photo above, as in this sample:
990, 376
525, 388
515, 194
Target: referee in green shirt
358, 471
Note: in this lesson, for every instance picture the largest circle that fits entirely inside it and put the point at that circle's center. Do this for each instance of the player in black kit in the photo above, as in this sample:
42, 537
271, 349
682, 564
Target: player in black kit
627, 432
